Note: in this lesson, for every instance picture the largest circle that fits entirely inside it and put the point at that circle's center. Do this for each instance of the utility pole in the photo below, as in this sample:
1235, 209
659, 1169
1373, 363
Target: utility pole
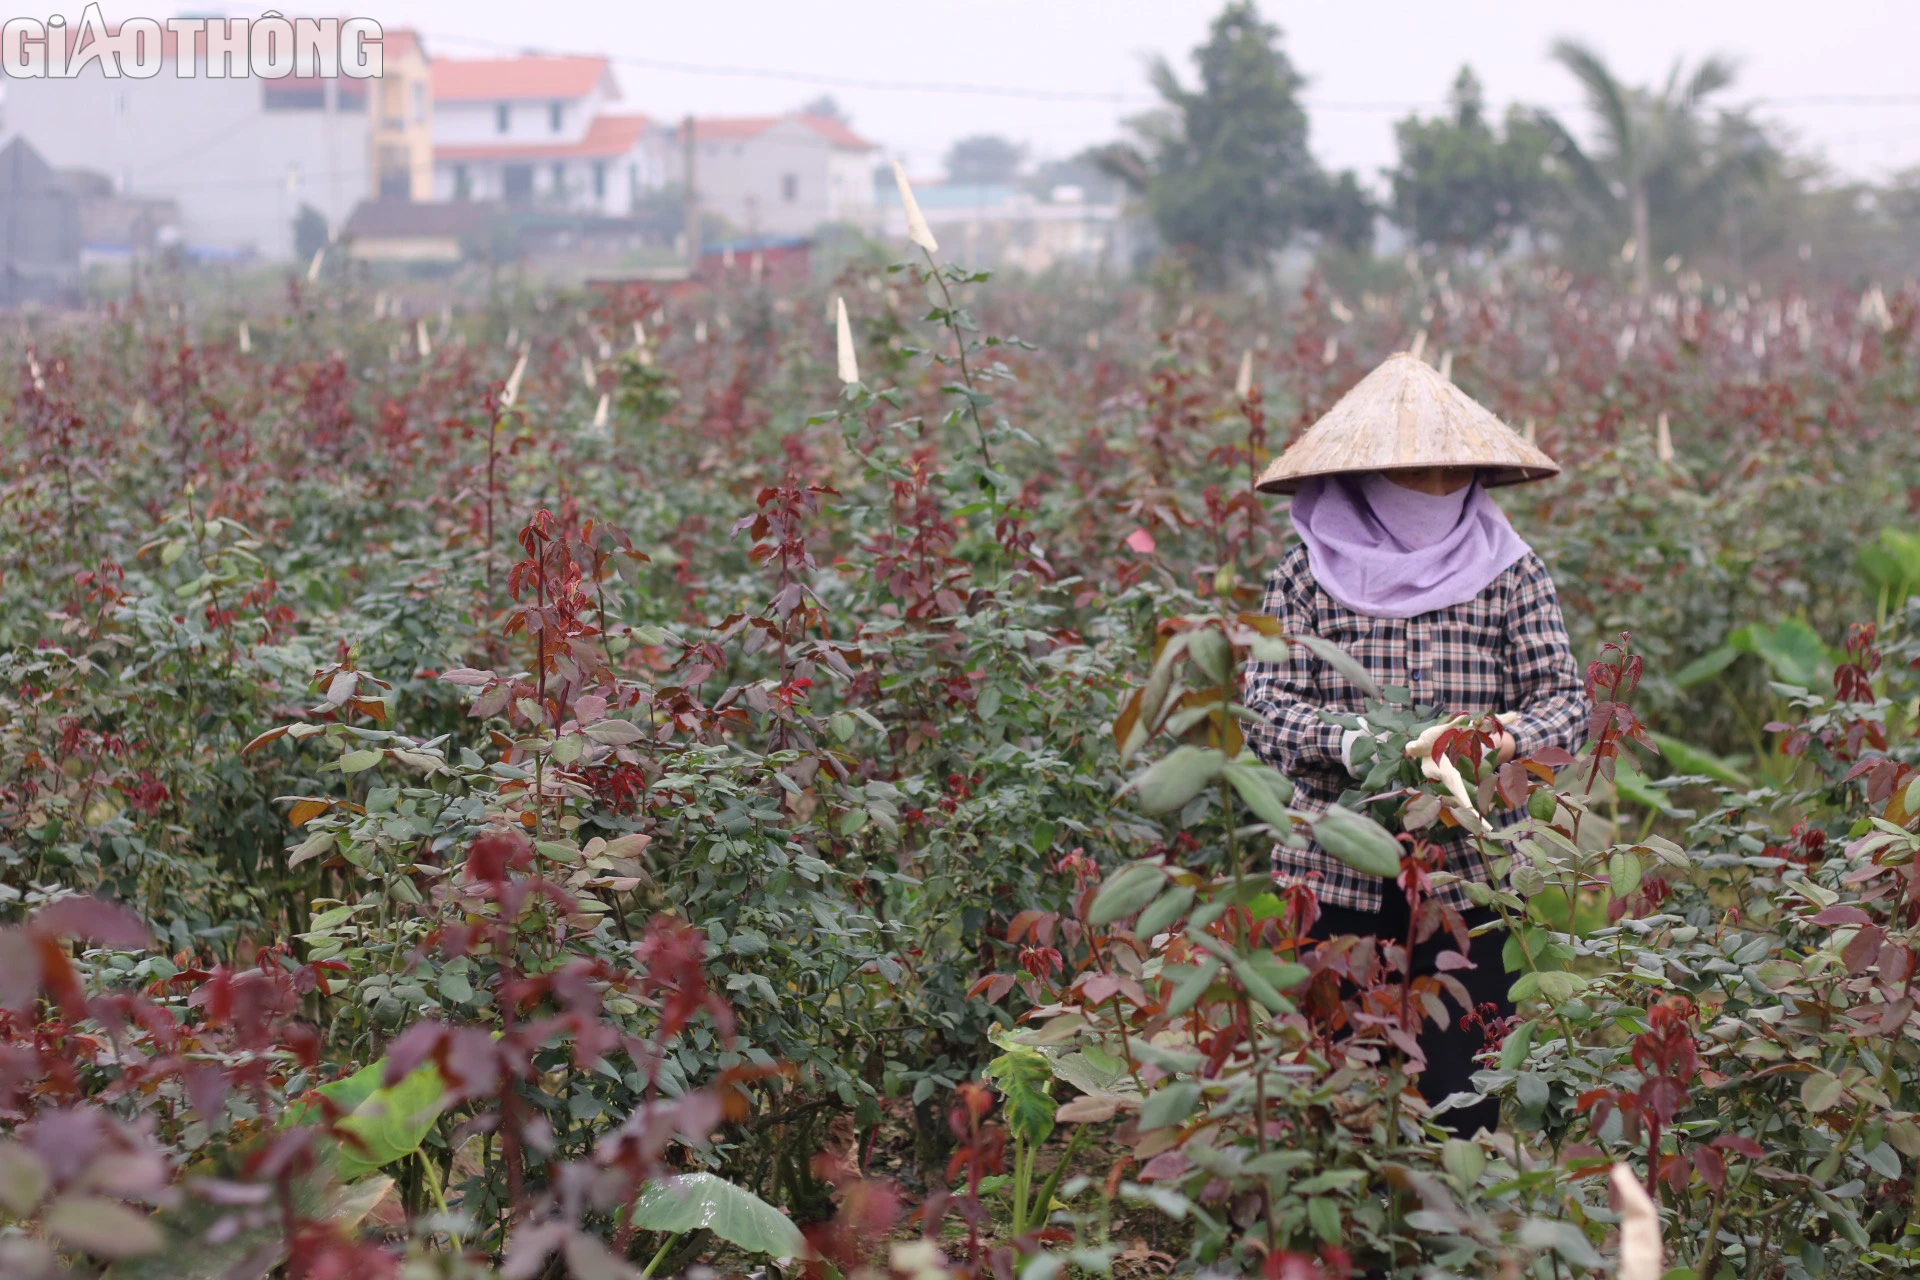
692, 199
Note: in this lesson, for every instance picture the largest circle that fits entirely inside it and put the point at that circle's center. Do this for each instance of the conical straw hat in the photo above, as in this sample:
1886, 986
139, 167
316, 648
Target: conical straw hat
1402, 415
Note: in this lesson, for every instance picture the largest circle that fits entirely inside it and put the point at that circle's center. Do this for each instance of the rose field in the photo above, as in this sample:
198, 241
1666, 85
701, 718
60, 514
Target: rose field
561, 783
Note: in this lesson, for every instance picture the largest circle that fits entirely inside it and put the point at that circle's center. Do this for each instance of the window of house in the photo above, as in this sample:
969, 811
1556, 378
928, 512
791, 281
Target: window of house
502, 113
599, 179
556, 115
462, 185
419, 101
789, 187
559, 179
350, 96
516, 183
293, 93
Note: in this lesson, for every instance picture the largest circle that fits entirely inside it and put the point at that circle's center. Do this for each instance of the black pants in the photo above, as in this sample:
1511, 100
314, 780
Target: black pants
1449, 1050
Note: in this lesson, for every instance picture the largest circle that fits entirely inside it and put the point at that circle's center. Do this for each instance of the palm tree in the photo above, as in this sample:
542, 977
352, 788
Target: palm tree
1649, 144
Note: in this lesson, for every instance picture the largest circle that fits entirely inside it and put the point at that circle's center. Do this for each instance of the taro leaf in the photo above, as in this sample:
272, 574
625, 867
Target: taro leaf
1264, 790
1094, 1070
1706, 666
1358, 841
1126, 891
1025, 1079
392, 1122
1176, 778
1892, 567
102, 1227
1687, 758
1791, 649
690, 1201
1343, 662
1632, 788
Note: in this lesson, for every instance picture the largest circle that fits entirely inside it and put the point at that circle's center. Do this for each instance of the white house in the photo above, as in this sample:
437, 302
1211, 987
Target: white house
240, 155
536, 130
1002, 225
781, 175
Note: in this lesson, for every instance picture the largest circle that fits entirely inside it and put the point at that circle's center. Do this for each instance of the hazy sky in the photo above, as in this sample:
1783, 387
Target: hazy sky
1366, 60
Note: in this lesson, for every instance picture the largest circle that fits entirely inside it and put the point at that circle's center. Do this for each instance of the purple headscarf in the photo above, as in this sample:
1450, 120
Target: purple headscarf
1391, 552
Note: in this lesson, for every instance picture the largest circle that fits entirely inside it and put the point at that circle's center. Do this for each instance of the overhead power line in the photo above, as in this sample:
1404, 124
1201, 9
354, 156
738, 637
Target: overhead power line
830, 81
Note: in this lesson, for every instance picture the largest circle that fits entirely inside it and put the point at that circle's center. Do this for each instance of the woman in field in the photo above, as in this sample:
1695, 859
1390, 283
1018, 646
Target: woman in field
1405, 562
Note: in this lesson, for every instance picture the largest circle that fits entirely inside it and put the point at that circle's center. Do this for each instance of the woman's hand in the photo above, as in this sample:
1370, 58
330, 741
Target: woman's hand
1504, 747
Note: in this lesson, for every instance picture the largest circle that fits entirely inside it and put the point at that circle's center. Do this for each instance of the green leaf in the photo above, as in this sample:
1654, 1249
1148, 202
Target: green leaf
691, 1201
1464, 1160
1623, 872
1821, 1091
1631, 785
1126, 891
1564, 1238
1791, 649
23, 1179
1324, 1213
392, 1122
1687, 758
1706, 666
1358, 841
1025, 1080
359, 761
1190, 982
1171, 1104
1263, 789
1513, 1054
1343, 662
1258, 988
102, 1227
1211, 653
1166, 908
1176, 778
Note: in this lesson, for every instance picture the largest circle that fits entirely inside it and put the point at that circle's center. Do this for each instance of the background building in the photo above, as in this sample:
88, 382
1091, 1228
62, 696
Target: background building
780, 175
40, 232
239, 156
537, 131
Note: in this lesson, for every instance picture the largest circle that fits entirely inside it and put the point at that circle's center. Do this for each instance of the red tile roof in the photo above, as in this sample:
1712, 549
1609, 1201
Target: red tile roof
607, 136
507, 79
837, 132
741, 128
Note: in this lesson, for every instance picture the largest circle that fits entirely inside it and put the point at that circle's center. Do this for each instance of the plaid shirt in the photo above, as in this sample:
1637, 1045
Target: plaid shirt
1504, 651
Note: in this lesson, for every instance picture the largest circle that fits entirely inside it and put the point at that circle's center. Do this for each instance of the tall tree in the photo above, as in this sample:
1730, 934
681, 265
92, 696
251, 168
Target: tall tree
1224, 166
827, 106
1463, 185
1658, 163
984, 158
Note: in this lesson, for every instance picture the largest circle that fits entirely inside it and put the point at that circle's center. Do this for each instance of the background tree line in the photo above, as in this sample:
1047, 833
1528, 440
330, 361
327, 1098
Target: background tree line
1668, 178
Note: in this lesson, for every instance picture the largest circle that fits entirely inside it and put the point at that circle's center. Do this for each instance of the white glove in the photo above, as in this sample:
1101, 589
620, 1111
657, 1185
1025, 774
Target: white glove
1347, 738
1440, 769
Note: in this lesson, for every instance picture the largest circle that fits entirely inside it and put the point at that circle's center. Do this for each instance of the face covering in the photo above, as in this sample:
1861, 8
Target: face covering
1391, 552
